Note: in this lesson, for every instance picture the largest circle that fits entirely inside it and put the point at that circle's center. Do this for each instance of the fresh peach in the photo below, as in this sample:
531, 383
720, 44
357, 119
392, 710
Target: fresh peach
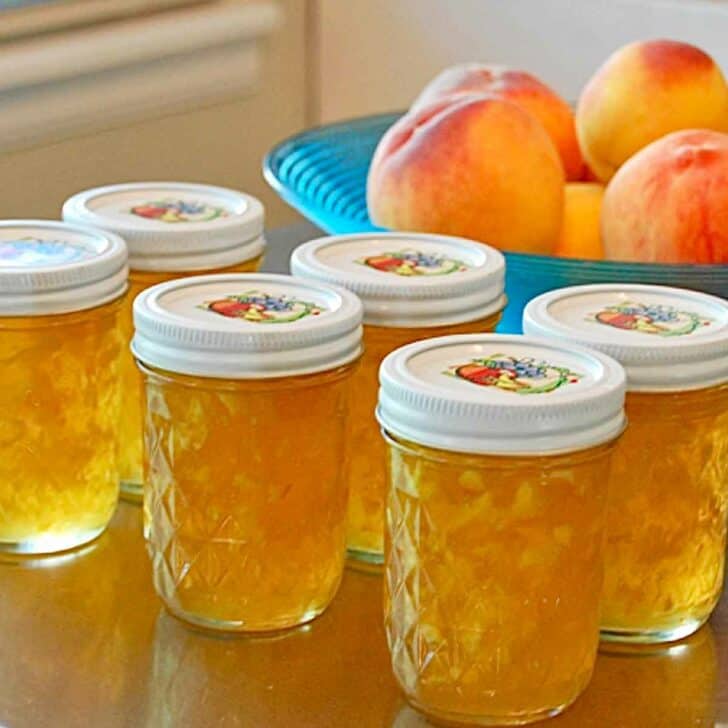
580, 236
477, 166
588, 175
522, 89
669, 203
644, 91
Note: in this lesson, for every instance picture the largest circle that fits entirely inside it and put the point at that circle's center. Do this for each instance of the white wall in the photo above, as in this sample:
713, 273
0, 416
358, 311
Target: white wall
376, 54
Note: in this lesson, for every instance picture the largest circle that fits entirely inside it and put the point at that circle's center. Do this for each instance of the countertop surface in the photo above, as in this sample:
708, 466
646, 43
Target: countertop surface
84, 641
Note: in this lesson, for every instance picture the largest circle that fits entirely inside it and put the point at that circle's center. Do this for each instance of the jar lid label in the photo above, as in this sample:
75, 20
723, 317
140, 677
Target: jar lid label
260, 307
667, 338
242, 303
409, 262
164, 206
514, 374
625, 314
33, 252
490, 370
176, 210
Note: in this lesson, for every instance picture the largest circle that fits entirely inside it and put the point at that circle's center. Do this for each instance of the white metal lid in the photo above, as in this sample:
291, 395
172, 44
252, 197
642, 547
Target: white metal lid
501, 394
174, 226
246, 326
409, 279
668, 339
51, 267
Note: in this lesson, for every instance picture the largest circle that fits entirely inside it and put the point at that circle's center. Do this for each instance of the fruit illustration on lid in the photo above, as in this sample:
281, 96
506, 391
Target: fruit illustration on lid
658, 319
259, 307
413, 263
178, 211
523, 375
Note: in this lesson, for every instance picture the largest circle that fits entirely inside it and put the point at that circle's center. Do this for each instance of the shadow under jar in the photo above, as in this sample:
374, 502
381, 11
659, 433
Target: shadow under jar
247, 380
413, 286
498, 457
172, 230
665, 552
61, 291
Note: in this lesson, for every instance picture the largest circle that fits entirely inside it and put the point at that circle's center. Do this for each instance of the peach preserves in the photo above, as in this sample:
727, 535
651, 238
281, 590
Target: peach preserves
667, 515
499, 451
668, 501
60, 350
172, 230
412, 287
247, 391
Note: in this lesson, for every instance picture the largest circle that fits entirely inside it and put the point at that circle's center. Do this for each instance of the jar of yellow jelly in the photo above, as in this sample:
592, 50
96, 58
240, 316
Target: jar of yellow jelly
247, 380
498, 455
61, 288
666, 541
172, 229
413, 286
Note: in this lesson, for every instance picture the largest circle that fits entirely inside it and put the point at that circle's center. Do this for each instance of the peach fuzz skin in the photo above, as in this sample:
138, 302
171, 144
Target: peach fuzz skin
478, 167
521, 88
580, 235
642, 92
669, 203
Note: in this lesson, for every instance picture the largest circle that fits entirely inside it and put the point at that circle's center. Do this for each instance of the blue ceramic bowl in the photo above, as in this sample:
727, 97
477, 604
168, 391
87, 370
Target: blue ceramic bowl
322, 173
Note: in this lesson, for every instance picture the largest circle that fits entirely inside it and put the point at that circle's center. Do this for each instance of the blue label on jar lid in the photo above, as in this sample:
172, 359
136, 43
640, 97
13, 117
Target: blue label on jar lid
33, 252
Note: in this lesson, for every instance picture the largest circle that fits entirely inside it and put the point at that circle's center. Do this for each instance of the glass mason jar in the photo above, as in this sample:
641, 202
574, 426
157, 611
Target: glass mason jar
413, 286
498, 458
247, 380
173, 230
665, 550
61, 288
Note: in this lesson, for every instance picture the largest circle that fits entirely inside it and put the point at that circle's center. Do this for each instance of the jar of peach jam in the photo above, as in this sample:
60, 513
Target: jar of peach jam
498, 456
413, 286
669, 483
247, 380
61, 291
172, 229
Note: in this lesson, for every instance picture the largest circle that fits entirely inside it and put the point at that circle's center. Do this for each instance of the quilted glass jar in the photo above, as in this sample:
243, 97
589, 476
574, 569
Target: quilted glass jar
172, 229
247, 381
413, 286
498, 457
665, 552
61, 288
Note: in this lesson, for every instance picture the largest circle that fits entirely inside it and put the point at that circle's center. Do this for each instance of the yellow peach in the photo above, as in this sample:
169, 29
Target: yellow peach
477, 166
644, 91
580, 235
669, 203
524, 90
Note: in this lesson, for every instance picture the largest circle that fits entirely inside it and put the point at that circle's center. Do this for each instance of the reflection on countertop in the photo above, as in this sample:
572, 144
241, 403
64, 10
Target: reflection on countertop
86, 643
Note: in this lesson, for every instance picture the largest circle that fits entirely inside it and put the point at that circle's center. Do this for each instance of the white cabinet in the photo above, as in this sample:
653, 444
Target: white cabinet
196, 94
